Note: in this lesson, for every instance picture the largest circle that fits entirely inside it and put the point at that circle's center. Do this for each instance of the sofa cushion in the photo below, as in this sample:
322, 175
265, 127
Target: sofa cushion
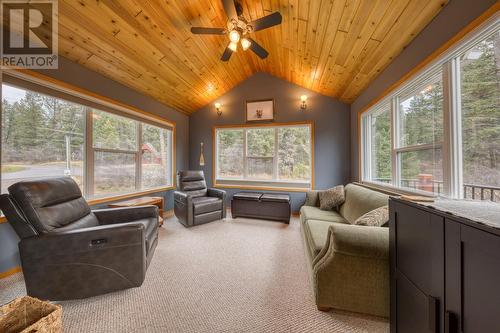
360, 200
331, 198
312, 198
202, 205
375, 218
314, 213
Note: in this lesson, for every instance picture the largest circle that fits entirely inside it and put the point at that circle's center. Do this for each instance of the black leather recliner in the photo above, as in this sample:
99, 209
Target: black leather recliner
70, 252
195, 204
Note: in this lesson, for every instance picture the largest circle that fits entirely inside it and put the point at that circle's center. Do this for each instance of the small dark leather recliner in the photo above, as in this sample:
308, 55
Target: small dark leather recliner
195, 204
70, 252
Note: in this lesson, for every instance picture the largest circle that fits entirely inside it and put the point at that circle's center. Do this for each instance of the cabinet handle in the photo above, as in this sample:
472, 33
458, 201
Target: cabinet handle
450, 325
433, 314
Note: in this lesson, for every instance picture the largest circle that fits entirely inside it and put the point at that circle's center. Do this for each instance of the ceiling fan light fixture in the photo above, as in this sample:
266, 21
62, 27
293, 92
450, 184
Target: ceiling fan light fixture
234, 36
233, 46
245, 44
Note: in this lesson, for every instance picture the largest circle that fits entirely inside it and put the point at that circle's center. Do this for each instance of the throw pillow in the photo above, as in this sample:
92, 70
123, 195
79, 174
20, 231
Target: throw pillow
376, 218
331, 198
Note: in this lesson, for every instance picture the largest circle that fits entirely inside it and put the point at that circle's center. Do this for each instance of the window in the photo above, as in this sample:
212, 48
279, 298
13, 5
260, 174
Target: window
419, 135
480, 106
45, 136
441, 130
41, 137
271, 156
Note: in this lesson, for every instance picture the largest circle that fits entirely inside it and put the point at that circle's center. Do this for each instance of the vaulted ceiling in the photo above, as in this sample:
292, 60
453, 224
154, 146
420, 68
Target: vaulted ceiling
334, 47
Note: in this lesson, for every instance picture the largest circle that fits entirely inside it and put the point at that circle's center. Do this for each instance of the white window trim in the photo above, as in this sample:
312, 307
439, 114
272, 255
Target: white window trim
452, 141
273, 183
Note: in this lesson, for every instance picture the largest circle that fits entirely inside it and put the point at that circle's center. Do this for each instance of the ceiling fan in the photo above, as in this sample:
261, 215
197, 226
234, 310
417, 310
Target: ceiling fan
238, 29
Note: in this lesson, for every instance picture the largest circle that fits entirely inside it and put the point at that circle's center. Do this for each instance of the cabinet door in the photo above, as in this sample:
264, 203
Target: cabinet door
472, 279
417, 270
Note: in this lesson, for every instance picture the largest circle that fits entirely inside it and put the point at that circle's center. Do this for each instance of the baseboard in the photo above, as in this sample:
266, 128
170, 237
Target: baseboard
10, 272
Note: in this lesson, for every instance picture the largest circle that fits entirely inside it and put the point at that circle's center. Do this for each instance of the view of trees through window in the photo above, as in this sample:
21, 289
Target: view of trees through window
381, 145
41, 137
421, 133
44, 136
271, 153
480, 91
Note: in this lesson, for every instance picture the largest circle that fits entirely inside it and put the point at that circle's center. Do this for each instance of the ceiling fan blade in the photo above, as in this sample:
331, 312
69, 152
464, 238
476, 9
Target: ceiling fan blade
266, 21
227, 54
257, 49
208, 31
230, 9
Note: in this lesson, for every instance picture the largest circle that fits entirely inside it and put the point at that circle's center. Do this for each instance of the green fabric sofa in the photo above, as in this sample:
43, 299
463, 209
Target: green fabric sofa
349, 264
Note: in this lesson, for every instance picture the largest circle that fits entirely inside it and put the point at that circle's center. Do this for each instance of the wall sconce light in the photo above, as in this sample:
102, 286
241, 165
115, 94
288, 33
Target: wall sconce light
218, 109
303, 99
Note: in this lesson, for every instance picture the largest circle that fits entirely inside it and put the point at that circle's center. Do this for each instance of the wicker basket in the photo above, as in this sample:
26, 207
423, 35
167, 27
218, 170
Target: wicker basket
30, 315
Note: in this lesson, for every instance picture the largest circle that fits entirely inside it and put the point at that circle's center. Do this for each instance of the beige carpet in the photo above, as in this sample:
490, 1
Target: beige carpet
240, 275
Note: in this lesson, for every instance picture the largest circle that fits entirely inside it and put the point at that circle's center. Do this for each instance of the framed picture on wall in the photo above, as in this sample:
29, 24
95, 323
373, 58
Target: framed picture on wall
260, 110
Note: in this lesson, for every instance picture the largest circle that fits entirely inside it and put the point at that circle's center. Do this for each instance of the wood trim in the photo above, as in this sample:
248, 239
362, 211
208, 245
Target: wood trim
86, 93
129, 195
443, 48
168, 213
264, 188
434, 55
270, 124
10, 272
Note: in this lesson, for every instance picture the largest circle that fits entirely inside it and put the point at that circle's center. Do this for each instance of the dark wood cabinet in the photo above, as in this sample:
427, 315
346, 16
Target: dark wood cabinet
445, 271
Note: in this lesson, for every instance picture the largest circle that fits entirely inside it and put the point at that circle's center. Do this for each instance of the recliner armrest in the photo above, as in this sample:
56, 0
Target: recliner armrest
64, 243
218, 193
126, 214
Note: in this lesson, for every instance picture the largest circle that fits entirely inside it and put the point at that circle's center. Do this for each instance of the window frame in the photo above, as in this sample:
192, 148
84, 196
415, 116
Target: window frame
449, 64
90, 101
272, 184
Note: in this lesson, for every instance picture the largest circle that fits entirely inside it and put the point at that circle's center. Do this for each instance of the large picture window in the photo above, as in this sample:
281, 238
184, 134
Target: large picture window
271, 156
105, 153
441, 130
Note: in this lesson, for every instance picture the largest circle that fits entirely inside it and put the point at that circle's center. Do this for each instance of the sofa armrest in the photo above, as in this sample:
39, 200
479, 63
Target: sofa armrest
126, 214
362, 241
312, 198
352, 270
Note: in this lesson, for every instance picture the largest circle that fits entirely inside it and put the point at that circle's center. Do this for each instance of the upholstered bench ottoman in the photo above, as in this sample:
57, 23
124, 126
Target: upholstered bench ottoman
267, 206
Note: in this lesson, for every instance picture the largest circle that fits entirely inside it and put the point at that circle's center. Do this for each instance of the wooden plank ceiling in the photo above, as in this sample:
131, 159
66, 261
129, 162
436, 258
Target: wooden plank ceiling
334, 47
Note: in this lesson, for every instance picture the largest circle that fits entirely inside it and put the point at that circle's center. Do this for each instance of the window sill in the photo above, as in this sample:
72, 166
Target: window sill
97, 201
263, 185
394, 190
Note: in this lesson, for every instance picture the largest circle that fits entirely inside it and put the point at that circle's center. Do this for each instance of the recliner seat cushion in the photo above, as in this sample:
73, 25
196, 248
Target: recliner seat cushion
50, 204
202, 205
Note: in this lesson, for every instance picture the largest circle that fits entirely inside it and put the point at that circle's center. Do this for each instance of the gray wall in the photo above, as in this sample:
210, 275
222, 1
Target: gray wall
453, 18
331, 120
79, 76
